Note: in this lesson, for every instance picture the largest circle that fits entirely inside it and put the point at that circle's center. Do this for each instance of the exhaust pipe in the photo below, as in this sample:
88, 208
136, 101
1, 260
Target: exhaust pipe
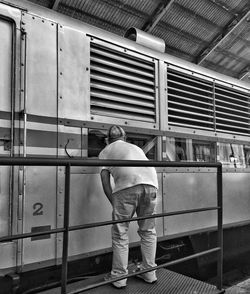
145, 39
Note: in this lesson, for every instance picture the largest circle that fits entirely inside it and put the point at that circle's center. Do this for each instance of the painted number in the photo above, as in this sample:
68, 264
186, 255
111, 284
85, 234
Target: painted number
38, 208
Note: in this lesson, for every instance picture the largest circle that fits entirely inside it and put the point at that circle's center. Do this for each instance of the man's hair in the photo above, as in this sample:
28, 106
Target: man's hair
115, 132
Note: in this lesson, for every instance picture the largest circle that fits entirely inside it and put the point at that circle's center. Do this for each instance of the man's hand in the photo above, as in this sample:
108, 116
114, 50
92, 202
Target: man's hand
106, 185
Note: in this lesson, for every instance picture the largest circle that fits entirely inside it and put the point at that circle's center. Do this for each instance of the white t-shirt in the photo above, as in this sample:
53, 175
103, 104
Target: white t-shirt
125, 177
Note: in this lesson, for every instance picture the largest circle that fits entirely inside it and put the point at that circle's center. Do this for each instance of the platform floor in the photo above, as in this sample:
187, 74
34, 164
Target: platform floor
241, 288
168, 283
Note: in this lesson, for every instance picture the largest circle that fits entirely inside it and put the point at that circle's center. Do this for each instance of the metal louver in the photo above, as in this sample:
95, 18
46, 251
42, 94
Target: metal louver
190, 101
198, 103
232, 110
121, 85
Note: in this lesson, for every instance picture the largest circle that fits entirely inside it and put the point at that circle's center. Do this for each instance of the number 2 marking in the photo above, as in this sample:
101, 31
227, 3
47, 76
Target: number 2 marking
38, 208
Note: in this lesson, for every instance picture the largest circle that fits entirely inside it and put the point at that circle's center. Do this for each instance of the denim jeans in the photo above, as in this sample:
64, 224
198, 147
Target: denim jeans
142, 200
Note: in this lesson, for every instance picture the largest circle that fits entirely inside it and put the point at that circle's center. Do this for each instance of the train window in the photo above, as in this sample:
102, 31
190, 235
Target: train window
247, 155
204, 151
176, 149
182, 149
97, 141
146, 143
231, 155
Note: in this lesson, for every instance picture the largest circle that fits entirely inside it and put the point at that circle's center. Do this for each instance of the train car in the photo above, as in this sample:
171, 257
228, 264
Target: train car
62, 84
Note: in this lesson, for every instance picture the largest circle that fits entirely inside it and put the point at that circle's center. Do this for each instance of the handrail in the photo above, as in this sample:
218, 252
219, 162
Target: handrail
32, 161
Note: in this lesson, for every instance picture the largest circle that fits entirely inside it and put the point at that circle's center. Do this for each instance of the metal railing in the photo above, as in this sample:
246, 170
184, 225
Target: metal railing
68, 163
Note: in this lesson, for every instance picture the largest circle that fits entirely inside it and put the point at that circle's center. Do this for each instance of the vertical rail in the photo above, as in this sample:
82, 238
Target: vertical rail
66, 232
220, 228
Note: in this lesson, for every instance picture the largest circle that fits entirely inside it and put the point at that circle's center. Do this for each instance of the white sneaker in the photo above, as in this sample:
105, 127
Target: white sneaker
118, 284
147, 277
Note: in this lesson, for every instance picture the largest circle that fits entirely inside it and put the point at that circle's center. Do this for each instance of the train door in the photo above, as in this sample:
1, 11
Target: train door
38, 138
10, 33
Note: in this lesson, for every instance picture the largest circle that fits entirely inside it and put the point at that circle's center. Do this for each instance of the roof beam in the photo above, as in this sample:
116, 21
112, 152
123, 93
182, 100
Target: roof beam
157, 15
223, 35
54, 6
244, 73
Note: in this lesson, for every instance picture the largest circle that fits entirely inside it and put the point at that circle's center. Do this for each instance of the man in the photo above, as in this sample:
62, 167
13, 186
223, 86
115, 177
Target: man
134, 190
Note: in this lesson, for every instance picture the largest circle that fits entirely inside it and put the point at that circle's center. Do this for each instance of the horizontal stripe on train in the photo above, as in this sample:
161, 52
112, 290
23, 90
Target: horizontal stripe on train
38, 138
4, 133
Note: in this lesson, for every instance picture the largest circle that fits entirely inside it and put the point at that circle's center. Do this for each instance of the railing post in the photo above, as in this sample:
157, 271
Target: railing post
220, 228
66, 231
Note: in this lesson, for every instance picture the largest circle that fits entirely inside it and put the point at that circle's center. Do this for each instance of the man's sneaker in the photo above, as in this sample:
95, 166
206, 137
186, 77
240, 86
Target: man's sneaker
121, 284
147, 277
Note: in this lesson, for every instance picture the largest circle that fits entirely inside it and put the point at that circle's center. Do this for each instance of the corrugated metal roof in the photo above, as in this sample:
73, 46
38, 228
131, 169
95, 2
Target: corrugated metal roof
212, 33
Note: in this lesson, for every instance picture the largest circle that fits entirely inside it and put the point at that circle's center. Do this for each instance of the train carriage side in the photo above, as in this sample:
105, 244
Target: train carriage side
63, 86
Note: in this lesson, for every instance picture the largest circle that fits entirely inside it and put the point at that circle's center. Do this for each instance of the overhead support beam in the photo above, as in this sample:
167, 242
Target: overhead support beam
55, 4
244, 73
236, 22
157, 15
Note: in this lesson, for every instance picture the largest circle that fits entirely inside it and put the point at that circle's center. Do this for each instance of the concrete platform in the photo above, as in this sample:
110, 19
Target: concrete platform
241, 288
168, 283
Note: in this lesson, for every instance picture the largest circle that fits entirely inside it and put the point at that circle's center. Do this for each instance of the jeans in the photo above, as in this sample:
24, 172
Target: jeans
142, 200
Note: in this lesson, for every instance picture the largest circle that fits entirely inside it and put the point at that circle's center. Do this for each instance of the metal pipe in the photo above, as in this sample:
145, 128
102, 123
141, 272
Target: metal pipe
66, 232
106, 223
145, 39
100, 224
45, 161
220, 228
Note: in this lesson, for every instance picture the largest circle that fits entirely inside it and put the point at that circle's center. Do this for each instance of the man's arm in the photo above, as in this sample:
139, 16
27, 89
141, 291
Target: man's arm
105, 177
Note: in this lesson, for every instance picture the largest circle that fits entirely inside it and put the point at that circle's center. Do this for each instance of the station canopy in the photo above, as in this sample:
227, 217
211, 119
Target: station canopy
214, 34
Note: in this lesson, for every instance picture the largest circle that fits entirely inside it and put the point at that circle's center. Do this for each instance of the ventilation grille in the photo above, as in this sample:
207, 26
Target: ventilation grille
201, 104
121, 85
190, 101
232, 110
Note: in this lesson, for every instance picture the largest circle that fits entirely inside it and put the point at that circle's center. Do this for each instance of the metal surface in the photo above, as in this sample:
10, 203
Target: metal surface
39, 209
73, 73
186, 191
41, 65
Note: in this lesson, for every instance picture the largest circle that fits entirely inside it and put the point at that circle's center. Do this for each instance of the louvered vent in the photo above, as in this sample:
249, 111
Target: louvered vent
122, 86
232, 110
190, 101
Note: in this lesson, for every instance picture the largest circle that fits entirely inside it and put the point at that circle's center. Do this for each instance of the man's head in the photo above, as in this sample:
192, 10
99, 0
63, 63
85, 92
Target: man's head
116, 133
